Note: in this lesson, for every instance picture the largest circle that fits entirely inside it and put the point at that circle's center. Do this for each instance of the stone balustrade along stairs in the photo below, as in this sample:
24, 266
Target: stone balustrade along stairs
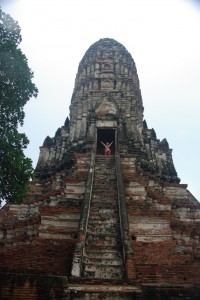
102, 256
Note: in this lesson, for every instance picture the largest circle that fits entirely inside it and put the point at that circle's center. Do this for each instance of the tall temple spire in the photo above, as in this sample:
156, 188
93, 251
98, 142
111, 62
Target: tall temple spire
106, 81
107, 97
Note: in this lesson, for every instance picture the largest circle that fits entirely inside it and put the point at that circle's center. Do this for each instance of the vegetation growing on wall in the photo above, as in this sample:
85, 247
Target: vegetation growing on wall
16, 88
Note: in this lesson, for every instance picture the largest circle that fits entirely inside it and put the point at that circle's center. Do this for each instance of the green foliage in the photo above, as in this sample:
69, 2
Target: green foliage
16, 88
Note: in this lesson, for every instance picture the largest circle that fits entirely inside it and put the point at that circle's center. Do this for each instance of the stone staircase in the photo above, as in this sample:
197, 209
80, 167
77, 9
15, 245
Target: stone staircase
102, 258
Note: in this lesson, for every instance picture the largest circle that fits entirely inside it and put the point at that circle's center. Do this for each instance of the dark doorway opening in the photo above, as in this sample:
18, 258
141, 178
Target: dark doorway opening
105, 135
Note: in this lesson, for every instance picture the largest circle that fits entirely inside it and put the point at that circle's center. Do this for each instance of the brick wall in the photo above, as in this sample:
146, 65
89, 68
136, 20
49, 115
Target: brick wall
16, 286
42, 255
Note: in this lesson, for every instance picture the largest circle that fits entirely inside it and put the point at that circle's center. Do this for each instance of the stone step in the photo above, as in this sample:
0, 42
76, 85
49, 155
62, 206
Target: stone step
104, 204
97, 199
104, 210
108, 228
104, 177
107, 218
95, 218
105, 164
104, 229
106, 272
99, 243
104, 251
109, 224
106, 191
105, 245
102, 184
101, 172
109, 269
106, 181
106, 188
95, 210
100, 199
101, 253
100, 261
103, 236
103, 196
100, 232
103, 157
103, 290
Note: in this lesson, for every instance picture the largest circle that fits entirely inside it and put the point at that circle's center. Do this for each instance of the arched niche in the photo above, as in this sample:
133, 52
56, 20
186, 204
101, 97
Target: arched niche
107, 84
107, 67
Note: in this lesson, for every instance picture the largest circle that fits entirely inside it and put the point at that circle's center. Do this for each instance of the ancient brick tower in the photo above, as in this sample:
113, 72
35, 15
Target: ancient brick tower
103, 227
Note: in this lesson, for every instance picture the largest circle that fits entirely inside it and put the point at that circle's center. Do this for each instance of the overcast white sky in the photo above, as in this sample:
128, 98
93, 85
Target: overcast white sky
163, 37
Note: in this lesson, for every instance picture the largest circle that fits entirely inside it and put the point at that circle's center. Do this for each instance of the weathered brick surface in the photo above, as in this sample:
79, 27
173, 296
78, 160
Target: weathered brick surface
164, 226
42, 255
34, 287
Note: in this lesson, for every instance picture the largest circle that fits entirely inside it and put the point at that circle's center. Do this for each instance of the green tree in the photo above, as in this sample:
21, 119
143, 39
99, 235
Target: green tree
16, 88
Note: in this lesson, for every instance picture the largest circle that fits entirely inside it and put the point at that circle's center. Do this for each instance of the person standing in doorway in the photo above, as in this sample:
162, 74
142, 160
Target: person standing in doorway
107, 150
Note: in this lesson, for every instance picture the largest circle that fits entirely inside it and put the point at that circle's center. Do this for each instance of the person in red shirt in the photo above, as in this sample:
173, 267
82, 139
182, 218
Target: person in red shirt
107, 150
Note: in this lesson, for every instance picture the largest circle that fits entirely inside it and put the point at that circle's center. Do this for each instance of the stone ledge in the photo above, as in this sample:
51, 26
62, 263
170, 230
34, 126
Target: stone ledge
103, 288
